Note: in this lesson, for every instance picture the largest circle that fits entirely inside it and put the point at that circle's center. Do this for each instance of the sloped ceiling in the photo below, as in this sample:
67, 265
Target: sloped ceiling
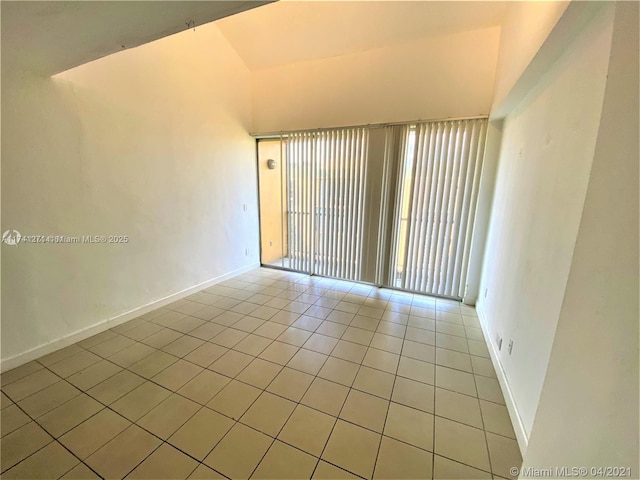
294, 31
50, 37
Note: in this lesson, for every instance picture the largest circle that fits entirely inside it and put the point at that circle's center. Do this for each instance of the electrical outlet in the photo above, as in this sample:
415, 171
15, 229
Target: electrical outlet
499, 342
510, 346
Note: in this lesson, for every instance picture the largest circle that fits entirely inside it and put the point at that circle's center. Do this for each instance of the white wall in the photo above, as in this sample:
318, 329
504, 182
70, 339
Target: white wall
525, 28
589, 402
545, 161
436, 77
151, 143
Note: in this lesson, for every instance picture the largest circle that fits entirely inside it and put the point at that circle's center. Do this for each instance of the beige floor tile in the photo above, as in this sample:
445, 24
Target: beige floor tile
398, 460
204, 386
365, 410
291, 384
489, 389
381, 360
352, 448
207, 331
131, 355
239, 452
452, 359
295, 336
410, 425
187, 324
207, 313
183, 346
455, 380
52, 461
279, 352
227, 318
458, 407
326, 471
374, 382
318, 311
496, 419
30, 384
331, 329
116, 387
349, 351
231, 363
176, 375
56, 356
153, 364
326, 396
12, 418
5, 401
419, 351
308, 323
445, 468
343, 317
365, 323
307, 361
270, 330
259, 373
358, 335
285, 462
167, 318
307, 429
80, 472
263, 312
164, 463
168, 416
268, 413
142, 331
141, 400
206, 354
123, 453
420, 335
456, 329
416, 370
229, 338
339, 371
201, 433
479, 348
461, 443
94, 432
504, 453
112, 346
203, 472
482, 366
20, 372
321, 343
392, 329
234, 399
285, 317
253, 345
93, 375
451, 342
49, 398
387, 343
63, 418
421, 322
248, 324
21, 443
413, 394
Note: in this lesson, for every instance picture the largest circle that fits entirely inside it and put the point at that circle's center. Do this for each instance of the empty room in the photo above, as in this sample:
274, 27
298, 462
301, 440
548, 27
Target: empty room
319, 239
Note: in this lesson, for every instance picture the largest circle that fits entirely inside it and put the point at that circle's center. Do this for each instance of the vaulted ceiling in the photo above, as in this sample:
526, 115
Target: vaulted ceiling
52, 36
294, 31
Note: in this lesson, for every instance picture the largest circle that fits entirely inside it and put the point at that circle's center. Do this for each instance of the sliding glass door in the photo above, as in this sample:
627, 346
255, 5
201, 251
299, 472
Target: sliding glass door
388, 205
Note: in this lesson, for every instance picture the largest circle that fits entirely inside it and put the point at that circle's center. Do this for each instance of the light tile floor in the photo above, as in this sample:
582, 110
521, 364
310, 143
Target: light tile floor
268, 375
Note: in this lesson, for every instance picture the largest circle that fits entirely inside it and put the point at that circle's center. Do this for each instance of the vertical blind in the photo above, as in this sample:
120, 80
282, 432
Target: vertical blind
423, 178
326, 181
439, 174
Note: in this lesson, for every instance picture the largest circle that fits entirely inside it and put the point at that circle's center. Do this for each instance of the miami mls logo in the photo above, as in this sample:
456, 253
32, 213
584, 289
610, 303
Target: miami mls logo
11, 237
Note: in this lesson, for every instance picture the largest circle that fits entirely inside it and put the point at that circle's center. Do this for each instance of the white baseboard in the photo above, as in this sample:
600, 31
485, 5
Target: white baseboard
521, 434
57, 344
